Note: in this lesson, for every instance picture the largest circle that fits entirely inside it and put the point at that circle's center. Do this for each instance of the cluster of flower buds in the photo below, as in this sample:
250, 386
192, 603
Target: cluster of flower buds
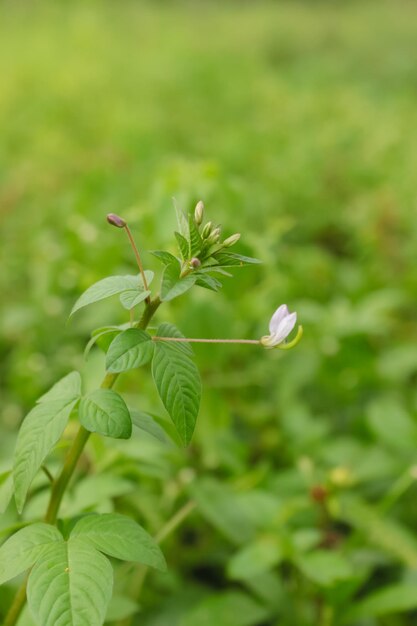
211, 233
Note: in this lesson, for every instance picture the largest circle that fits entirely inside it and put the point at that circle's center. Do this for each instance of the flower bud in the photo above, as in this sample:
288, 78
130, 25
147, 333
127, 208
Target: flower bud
230, 241
207, 230
116, 220
199, 212
214, 236
195, 263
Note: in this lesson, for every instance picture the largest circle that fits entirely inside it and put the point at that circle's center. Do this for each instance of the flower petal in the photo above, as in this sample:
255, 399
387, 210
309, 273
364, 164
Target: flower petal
281, 312
284, 328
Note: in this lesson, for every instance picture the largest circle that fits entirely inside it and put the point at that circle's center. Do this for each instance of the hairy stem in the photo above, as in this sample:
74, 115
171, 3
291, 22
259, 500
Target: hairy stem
60, 485
196, 340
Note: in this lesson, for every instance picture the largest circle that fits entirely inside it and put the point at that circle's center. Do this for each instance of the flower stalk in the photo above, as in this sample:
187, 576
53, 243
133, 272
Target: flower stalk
203, 340
119, 222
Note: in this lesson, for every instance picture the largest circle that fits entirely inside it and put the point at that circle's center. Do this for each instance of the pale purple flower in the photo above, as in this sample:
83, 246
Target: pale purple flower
281, 324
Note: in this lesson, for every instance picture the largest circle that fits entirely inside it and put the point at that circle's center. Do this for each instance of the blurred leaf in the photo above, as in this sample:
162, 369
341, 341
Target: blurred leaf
392, 424
255, 558
220, 505
93, 491
392, 599
324, 567
121, 607
233, 608
388, 534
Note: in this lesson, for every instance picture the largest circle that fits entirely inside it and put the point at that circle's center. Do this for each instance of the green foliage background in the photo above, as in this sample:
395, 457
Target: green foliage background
296, 124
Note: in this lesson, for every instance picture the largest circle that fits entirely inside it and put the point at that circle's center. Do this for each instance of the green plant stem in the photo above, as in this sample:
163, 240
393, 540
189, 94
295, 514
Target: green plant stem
61, 483
17, 606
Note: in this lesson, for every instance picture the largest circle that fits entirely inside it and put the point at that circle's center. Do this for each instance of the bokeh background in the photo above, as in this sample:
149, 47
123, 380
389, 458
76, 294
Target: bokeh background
296, 123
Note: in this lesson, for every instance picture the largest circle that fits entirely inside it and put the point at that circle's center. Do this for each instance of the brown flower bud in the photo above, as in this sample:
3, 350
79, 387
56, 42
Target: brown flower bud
318, 493
116, 220
195, 262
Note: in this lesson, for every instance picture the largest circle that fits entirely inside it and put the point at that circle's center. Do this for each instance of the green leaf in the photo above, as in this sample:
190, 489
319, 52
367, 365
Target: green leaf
40, 431
172, 285
178, 383
130, 349
392, 425
6, 490
255, 558
120, 608
181, 220
70, 585
156, 425
196, 241
232, 608
166, 257
146, 422
120, 537
65, 390
183, 246
388, 534
231, 259
325, 567
214, 269
110, 286
101, 336
208, 282
23, 548
169, 330
104, 411
391, 599
220, 505
133, 297
94, 491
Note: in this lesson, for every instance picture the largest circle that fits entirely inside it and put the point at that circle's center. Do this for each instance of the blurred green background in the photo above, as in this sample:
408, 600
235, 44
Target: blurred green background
295, 122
